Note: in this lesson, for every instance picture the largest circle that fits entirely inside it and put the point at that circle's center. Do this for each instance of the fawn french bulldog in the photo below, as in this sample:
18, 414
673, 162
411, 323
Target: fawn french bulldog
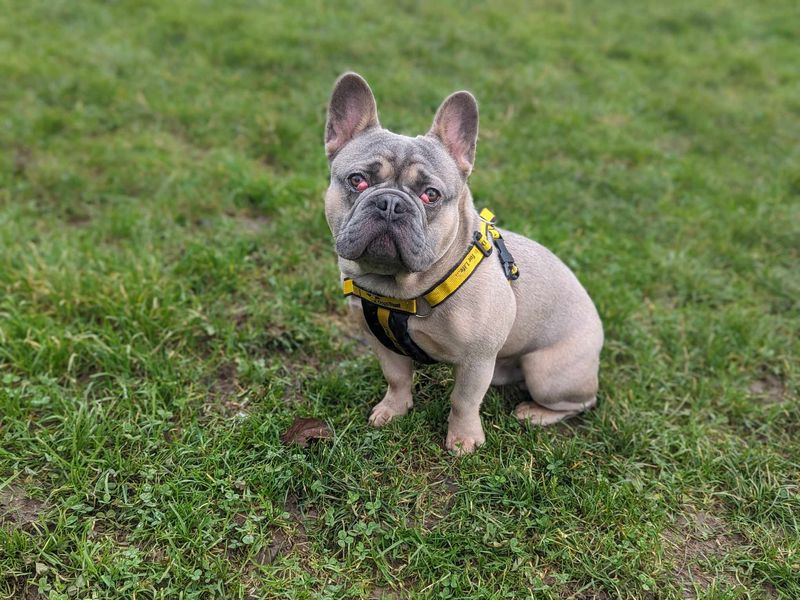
432, 280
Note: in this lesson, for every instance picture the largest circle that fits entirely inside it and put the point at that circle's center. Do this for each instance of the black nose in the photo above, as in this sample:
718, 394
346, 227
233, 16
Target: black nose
390, 206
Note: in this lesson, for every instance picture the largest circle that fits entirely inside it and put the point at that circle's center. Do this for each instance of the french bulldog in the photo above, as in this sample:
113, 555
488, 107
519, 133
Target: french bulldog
402, 217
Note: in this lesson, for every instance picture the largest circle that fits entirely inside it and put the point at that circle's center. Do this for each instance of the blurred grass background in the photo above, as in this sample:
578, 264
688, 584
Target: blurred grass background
169, 301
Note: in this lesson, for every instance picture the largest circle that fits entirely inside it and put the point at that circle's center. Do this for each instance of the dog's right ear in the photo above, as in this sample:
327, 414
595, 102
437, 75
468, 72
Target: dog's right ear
351, 110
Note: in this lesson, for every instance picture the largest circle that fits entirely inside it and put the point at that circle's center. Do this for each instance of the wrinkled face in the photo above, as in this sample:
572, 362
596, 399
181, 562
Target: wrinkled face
392, 204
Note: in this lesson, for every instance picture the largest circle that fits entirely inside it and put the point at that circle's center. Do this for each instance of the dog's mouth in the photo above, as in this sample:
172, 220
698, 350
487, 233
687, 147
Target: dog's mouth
378, 250
383, 240
383, 247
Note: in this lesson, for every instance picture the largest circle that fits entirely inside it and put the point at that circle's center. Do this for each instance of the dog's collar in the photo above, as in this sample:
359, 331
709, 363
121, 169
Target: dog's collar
480, 248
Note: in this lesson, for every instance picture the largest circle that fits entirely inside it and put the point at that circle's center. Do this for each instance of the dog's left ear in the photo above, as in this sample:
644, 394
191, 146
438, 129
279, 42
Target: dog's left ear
456, 126
352, 110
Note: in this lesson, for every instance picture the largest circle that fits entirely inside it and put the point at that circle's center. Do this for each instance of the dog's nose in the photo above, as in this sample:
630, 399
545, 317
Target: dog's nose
390, 206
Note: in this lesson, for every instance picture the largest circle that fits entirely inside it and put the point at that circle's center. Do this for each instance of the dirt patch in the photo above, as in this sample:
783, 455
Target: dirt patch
769, 388
284, 543
77, 219
21, 588
574, 591
252, 223
695, 539
281, 542
17, 509
224, 394
23, 157
383, 594
595, 595
433, 504
443, 497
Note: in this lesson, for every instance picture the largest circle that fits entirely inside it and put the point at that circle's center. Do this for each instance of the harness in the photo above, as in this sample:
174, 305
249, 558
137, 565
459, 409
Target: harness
387, 317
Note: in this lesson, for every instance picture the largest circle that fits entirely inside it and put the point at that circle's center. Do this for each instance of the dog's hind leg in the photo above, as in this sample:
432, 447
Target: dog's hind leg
507, 372
561, 379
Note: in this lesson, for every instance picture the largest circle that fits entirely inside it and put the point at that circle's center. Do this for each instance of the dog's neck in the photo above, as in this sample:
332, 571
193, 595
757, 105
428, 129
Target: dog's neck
412, 285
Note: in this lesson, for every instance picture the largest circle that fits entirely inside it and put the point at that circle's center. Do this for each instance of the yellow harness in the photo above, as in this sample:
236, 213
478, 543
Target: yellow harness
387, 317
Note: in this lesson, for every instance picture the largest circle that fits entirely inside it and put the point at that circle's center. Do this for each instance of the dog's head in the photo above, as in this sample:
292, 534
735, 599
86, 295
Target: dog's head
393, 201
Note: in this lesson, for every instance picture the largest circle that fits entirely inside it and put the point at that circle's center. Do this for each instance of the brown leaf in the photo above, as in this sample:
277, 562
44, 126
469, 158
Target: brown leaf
304, 429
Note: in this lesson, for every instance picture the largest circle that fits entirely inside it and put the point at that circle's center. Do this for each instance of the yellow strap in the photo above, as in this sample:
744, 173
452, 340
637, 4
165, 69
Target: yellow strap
351, 289
383, 319
456, 279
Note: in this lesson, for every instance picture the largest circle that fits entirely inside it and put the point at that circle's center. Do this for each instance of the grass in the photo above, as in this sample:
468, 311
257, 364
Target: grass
169, 302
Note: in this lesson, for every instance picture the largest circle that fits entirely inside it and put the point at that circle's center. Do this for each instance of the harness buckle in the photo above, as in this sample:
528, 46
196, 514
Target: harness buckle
482, 243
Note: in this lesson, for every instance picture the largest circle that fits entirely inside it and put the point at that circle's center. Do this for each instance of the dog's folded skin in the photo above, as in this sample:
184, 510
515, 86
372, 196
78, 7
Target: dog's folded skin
402, 217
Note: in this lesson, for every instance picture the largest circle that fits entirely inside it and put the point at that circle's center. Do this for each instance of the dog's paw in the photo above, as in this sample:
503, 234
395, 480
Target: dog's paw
461, 443
384, 411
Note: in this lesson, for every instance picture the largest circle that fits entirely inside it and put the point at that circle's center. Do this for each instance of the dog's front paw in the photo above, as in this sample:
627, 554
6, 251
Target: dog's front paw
463, 443
385, 411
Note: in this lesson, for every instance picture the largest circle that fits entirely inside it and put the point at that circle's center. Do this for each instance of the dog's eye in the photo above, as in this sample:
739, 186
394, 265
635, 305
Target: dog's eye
430, 195
358, 181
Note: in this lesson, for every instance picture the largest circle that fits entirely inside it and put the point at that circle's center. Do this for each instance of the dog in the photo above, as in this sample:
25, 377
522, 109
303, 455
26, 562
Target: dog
432, 280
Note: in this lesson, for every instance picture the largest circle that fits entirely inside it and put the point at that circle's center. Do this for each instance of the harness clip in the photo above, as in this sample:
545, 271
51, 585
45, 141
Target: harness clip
510, 268
483, 243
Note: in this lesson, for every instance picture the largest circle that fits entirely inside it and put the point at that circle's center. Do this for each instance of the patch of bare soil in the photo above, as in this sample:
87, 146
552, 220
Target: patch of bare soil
21, 588
383, 594
252, 223
574, 591
17, 509
23, 157
769, 388
692, 542
432, 505
593, 595
224, 394
284, 543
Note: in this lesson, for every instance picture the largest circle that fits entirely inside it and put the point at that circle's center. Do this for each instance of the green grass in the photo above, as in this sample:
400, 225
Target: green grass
169, 302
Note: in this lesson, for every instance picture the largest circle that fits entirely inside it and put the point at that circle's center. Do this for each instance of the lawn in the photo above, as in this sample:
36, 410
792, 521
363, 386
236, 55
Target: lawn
169, 302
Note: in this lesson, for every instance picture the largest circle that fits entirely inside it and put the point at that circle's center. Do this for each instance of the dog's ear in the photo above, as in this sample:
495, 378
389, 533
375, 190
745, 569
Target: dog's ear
456, 126
351, 110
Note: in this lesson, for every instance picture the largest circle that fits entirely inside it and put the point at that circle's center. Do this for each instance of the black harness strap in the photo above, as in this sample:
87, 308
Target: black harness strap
398, 326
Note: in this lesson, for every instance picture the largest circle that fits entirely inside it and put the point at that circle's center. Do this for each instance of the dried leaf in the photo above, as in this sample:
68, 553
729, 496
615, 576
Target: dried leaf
304, 429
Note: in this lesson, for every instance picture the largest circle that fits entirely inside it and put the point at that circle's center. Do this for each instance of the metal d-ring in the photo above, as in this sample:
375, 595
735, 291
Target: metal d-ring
420, 303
